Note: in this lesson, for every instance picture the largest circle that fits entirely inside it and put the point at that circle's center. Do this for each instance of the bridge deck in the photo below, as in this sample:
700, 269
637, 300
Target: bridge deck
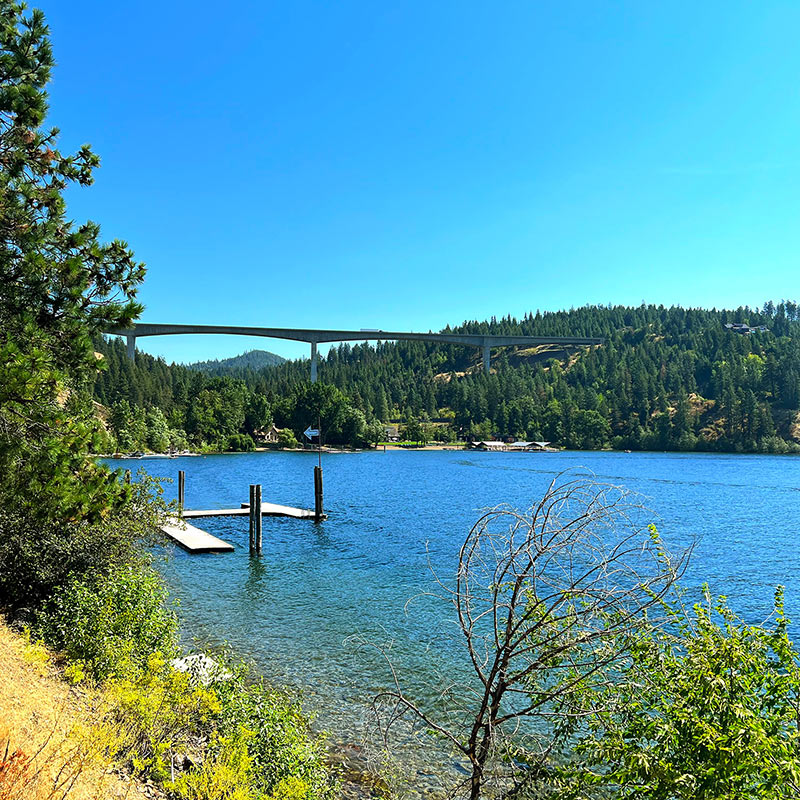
318, 336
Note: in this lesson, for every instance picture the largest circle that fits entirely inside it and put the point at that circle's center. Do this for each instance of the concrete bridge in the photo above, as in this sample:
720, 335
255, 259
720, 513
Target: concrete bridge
484, 342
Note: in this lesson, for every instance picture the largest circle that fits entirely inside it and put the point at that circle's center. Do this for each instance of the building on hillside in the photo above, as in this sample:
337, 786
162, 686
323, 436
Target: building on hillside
743, 328
392, 432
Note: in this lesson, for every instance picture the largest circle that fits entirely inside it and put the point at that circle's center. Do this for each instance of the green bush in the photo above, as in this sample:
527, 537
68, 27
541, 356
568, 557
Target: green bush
120, 631
259, 745
38, 555
287, 760
160, 710
705, 709
241, 443
112, 626
286, 438
776, 445
226, 775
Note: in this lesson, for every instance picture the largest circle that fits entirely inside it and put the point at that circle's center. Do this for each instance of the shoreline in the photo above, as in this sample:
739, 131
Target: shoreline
417, 449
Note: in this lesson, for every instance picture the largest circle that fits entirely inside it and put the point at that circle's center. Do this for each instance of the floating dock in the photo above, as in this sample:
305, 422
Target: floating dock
192, 539
267, 510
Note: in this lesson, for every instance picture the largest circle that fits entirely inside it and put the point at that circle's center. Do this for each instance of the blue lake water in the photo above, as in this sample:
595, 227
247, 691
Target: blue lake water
295, 610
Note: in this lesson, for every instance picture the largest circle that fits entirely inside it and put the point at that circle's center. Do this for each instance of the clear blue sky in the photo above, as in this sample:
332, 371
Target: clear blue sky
408, 165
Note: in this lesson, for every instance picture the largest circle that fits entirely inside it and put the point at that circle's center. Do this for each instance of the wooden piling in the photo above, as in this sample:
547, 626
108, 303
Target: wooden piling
181, 488
258, 518
252, 518
318, 512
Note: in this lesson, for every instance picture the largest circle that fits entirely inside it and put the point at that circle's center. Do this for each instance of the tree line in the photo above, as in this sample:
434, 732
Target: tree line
666, 378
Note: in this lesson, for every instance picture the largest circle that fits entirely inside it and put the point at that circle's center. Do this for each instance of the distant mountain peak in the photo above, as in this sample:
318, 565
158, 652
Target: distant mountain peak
252, 359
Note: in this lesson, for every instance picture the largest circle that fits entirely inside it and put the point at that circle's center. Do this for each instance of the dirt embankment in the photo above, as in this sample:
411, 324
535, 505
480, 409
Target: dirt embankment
51, 742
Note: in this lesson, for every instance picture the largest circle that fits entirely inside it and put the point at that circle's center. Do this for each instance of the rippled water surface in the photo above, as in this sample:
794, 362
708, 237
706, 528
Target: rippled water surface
393, 514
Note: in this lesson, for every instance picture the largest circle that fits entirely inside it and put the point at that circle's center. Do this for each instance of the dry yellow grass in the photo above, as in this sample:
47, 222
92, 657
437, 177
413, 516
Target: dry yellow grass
49, 747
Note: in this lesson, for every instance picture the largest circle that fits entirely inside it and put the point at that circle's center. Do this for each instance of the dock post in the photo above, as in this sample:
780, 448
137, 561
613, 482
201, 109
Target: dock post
127, 476
318, 513
258, 518
181, 489
252, 518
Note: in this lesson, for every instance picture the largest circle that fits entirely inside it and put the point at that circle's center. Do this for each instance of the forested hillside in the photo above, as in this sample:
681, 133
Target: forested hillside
665, 378
252, 359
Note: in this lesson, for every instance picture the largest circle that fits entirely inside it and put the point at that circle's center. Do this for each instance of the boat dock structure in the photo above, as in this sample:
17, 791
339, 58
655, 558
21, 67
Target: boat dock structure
267, 510
195, 540
192, 539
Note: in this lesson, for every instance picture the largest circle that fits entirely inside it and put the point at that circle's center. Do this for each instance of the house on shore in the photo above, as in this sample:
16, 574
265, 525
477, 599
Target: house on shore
488, 445
392, 432
268, 435
510, 447
528, 446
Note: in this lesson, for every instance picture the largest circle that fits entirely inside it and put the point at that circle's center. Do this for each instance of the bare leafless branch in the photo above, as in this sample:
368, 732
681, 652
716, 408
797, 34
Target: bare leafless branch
546, 601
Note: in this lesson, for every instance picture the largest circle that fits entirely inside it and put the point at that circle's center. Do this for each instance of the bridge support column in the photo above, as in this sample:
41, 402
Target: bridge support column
313, 362
487, 358
131, 340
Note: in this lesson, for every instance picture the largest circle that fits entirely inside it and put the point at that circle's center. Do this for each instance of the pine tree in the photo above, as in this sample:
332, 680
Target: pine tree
381, 406
60, 284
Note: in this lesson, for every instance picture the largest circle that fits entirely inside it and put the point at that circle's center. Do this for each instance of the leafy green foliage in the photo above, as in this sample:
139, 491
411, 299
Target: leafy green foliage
39, 554
286, 760
258, 414
286, 438
319, 403
258, 742
162, 709
227, 774
241, 443
413, 431
111, 626
706, 709
217, 411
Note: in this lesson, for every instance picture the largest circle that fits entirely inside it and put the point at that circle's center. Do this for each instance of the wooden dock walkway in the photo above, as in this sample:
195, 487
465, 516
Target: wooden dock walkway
267, 510
192, 539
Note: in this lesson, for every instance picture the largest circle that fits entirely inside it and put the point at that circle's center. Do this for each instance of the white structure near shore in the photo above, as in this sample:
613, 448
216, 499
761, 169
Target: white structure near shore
511, 447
